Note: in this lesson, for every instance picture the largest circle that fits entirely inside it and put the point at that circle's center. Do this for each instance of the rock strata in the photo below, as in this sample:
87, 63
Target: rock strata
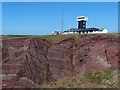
29, 62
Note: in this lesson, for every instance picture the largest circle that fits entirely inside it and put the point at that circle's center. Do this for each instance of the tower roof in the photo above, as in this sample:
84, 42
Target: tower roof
82, 18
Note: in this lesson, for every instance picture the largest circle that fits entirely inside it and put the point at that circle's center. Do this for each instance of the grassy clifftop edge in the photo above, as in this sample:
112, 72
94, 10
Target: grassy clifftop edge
57, 38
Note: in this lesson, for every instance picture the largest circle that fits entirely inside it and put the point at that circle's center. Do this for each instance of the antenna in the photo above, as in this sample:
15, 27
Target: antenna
62, 20
69, 24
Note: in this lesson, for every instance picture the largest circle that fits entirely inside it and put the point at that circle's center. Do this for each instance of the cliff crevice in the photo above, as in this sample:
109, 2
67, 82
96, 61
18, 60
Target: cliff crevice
29, 62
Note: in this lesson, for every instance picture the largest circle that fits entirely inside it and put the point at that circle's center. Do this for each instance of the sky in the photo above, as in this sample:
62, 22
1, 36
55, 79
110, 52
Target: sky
60, 0
0, 18
41, 18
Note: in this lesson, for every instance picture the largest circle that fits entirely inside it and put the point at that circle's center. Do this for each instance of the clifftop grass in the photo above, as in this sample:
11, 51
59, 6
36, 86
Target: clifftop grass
56, 38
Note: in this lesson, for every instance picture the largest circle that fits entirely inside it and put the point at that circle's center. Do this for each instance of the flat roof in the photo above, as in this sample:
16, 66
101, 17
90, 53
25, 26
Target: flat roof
87, 29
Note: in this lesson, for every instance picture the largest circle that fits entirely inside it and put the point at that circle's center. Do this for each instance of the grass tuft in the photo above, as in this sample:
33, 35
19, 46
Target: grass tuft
98, 76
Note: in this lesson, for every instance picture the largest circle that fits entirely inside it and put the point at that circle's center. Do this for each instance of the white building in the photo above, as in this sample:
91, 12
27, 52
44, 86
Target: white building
82, 20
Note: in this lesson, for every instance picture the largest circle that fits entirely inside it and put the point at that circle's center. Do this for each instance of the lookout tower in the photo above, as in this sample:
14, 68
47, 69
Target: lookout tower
82, 22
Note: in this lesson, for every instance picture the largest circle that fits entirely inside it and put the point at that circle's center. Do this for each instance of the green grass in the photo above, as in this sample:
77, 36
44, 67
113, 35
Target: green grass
50, 38
77, 37
4, 37
86, 80
97, 77
55, 38
58, 38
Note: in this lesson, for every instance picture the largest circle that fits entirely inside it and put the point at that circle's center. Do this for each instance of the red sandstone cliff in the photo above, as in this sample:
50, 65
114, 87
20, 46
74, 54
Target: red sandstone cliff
29, 62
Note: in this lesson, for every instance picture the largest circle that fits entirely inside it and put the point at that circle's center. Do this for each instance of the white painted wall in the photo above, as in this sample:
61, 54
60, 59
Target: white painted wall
94, 32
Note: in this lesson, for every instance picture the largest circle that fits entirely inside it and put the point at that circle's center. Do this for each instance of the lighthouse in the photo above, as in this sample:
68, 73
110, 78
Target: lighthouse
82, 22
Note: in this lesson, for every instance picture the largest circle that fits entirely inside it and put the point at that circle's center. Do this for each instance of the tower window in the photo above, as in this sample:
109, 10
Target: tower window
83, 22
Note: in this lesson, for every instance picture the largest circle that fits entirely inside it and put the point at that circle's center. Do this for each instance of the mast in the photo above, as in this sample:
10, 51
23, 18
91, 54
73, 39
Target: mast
62, 21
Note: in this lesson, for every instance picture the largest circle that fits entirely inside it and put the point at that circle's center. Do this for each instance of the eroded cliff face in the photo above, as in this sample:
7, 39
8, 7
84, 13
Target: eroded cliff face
29, 62
96, 53
24, 62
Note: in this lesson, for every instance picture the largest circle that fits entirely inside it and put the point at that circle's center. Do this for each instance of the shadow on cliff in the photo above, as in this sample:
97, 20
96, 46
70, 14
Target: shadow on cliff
30, 62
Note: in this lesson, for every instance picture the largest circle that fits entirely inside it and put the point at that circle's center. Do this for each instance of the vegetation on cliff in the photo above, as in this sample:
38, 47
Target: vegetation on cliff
60, 61
99, 79
57, 38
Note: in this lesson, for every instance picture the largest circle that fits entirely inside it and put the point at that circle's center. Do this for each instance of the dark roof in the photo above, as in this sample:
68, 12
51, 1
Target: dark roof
87, 29
71, 29
92, 29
